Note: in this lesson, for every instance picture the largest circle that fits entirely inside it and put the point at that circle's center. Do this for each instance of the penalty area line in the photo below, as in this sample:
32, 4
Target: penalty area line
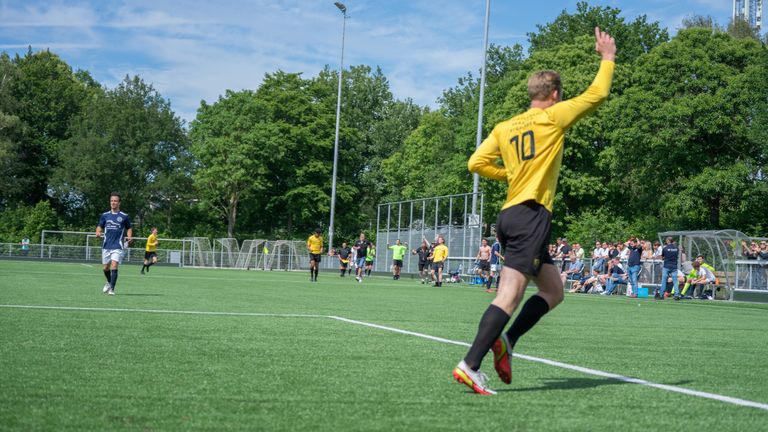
585, 370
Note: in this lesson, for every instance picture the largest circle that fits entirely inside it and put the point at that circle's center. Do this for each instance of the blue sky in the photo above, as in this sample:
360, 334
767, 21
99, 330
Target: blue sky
196, 50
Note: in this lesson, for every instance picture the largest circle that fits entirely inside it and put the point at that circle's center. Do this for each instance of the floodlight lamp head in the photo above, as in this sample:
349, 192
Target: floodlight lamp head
341, 7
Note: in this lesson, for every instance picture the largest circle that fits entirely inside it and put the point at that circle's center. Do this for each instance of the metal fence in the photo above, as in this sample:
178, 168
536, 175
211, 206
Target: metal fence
414, 221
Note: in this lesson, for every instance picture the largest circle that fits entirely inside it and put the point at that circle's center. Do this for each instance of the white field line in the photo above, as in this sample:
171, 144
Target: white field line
165, 311
585, 370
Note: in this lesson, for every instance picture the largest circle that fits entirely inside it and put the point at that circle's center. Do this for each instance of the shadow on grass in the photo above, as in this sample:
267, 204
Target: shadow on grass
576, 383
141, 295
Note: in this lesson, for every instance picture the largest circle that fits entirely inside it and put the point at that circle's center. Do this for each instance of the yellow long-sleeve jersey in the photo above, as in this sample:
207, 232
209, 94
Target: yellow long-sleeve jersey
531, 144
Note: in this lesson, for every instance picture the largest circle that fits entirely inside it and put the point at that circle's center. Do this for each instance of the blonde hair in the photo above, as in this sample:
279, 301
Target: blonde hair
542, 83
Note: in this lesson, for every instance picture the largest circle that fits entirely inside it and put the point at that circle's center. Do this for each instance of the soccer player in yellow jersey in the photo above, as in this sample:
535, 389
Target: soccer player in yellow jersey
150, 251
315, 248
439, 255
531, 148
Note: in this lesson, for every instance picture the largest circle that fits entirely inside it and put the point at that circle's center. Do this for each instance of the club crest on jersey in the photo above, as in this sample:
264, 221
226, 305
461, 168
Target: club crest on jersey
119, 218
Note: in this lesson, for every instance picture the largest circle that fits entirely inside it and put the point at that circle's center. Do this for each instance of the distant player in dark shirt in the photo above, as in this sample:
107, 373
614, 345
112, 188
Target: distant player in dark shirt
423, 253
116, 228
344, 252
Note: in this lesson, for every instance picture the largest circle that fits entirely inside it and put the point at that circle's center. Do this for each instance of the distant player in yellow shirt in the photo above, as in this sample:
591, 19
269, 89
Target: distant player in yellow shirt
315, 248
531, 147
438, 256
150, 251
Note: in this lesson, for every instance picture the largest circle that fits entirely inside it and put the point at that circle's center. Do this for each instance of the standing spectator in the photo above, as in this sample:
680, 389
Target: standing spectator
633, 265
578, 251
24, 246
623, 251
669, 254
613, 251
657, 251
564, 254
598, 259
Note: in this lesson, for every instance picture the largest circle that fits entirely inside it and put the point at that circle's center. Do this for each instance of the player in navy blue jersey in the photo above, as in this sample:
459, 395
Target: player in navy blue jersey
115, 226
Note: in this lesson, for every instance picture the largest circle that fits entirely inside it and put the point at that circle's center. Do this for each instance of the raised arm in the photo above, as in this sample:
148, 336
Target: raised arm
568, 112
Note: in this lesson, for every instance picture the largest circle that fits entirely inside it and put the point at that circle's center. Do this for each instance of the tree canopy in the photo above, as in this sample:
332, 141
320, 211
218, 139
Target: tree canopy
680, 144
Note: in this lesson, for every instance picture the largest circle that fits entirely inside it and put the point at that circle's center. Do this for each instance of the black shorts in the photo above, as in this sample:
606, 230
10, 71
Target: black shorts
437, 266
315, 257
149, 255
524, 231
422, 264
344, 264
397, 263
484, 265
368, 263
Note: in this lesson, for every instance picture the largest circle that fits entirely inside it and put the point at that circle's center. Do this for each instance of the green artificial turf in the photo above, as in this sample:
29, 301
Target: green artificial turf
109, 369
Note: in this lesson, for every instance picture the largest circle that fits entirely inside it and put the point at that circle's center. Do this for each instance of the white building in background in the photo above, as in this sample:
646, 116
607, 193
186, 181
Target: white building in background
750, 11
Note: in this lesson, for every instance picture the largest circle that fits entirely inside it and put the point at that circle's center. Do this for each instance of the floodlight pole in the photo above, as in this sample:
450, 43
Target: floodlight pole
343, 10
476, 177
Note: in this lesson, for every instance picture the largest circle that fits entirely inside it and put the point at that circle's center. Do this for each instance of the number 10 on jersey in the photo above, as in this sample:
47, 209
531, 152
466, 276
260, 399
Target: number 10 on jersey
525, 145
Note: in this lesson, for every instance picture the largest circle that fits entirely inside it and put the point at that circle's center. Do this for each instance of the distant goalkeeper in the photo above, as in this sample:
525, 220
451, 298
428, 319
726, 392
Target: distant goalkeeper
531, 148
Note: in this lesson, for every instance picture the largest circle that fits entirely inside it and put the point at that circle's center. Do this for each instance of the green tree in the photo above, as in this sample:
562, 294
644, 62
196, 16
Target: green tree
49, 96
632, 39
14, 140
230, 141
682, 134
127, 140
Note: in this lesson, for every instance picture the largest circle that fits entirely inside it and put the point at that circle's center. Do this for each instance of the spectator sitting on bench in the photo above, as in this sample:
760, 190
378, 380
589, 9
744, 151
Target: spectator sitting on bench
586, 282
575, 269
616, 276
699, 277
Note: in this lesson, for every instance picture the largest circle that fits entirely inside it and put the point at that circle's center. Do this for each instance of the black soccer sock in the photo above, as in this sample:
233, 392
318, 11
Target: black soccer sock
491, 325
311, 273
108, 275
533, 309
316, 271
113, 278
488, 283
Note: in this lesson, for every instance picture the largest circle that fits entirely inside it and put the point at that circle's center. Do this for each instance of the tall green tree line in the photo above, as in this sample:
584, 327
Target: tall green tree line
681, 143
